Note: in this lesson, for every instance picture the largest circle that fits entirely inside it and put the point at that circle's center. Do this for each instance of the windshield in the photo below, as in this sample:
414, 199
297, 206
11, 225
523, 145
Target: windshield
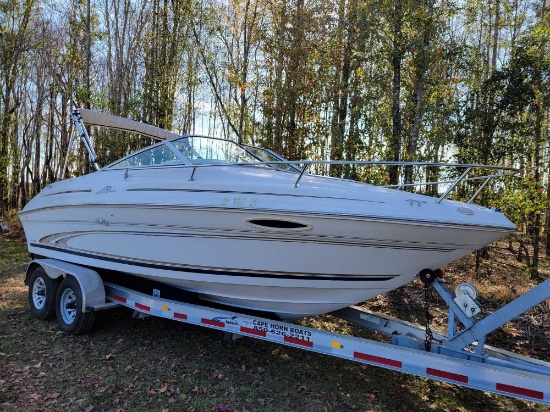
209, 150
200, 150
267, 156
157, 155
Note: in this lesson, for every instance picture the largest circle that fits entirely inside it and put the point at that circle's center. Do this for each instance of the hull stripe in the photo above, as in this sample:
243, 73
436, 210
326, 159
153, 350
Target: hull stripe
264, 237
294, 276
293, 213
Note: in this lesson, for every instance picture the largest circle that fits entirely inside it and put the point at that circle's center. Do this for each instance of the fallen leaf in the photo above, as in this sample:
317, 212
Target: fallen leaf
89, 408
109, 356
38, 365
163, 389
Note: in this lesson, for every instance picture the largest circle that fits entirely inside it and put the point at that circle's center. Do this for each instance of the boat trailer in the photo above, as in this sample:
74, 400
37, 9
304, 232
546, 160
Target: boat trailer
459, 357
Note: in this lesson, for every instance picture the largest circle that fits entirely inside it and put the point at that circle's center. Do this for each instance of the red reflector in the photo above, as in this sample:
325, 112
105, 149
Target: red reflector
143, 307
119, 298
213, 323
253, 331
447, 375
180, 315
520, 391
297, 341
377, 359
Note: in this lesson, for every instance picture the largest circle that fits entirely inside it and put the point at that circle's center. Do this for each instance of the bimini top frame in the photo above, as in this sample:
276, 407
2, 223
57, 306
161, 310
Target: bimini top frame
93, 118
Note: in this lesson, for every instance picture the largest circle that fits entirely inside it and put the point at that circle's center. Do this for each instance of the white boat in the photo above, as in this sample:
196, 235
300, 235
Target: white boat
241, 226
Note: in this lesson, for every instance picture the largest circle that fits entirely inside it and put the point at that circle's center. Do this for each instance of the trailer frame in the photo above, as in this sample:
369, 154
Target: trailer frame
458, 357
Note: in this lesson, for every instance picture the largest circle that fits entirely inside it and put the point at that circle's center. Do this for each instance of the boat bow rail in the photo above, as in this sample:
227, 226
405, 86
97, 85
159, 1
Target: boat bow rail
503, 171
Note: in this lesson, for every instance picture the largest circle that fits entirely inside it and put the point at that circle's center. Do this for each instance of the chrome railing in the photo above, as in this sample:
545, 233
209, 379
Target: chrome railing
453, 183
300, 166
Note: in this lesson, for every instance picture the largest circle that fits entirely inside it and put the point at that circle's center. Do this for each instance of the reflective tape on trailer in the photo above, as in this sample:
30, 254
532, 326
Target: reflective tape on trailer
447, 375
492, 378
212, 322
516, 390
298, 341
119, 299
142, 307
255, 332
137, 305
377, 359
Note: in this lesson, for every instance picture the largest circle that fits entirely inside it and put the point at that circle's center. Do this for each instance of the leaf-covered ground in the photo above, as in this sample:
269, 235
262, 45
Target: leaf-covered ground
152, 364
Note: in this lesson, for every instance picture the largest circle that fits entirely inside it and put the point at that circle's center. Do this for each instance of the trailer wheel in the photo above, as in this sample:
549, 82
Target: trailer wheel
42, 293
68, 308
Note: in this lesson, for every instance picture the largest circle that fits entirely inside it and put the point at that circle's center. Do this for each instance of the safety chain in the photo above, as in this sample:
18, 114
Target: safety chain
427, 301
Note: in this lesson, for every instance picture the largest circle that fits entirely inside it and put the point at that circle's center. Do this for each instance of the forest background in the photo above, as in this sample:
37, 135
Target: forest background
426, 80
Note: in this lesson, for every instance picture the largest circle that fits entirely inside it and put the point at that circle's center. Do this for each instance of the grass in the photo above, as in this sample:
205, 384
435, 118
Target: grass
153, 364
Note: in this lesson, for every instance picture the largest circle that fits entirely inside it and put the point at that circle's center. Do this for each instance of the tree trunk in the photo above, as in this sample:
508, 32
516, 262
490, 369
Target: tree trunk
397, 55
346, 22
420, 76
536, 228
495, 35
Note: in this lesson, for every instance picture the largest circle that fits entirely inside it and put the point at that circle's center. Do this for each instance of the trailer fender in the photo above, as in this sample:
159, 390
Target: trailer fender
93, 291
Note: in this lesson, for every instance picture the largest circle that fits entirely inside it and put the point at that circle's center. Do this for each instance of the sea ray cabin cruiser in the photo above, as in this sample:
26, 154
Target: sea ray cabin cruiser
241, 226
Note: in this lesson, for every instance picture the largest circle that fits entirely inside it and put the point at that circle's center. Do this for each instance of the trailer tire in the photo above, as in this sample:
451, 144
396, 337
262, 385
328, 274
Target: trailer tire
42, 294
68, 308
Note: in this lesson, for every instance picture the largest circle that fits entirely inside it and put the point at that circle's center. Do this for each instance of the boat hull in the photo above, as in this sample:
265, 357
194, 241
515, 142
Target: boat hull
331, 261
